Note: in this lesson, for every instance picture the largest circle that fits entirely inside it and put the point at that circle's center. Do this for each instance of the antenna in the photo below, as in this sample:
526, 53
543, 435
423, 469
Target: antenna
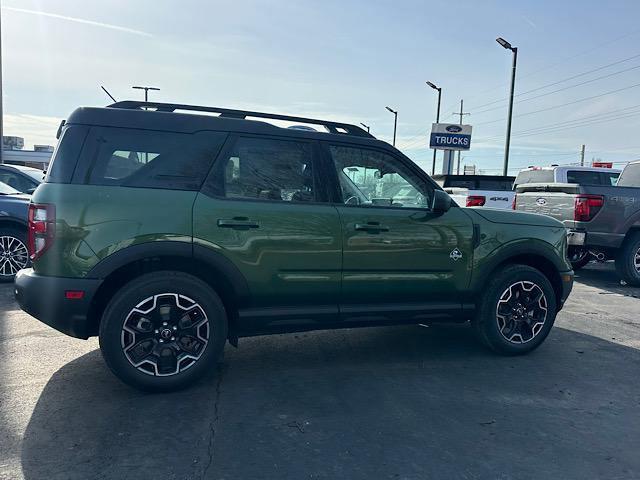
107, 92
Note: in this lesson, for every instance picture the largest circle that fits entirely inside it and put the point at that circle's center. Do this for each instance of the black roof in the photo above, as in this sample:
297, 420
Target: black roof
171, 117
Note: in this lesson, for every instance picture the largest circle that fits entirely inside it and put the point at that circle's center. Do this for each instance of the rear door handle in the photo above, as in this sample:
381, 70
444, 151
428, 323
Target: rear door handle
237, 223
371, 227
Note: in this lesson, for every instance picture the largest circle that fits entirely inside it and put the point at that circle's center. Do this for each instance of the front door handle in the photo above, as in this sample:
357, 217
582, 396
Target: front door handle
237, 223
371, 227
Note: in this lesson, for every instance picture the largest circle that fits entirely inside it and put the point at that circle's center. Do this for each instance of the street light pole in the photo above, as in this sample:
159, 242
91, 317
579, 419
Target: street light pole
146, 91
395, 123
433, 166
508, 46
365, 126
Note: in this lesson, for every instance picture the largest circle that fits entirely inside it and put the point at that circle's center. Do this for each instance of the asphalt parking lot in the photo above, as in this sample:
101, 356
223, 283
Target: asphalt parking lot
403, 403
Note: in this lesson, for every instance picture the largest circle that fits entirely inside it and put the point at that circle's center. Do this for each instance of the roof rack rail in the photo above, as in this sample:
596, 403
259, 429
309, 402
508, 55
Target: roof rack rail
332, 127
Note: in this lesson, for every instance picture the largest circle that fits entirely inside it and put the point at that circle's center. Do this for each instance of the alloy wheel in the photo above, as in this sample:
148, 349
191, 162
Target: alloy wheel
636, 261
521, 312
165, 334
14, 255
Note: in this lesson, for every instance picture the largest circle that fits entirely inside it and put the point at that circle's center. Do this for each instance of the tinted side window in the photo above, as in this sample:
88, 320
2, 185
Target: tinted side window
64, 159
265, 169
583, 177
144, 158
372, 178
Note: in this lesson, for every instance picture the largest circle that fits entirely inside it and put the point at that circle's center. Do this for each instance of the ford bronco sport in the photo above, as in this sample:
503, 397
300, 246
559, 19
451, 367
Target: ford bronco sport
166, 231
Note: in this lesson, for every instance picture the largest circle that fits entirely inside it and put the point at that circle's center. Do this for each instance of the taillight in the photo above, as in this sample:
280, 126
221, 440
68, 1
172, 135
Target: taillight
476, 200
513, 202
586, 207
42, 222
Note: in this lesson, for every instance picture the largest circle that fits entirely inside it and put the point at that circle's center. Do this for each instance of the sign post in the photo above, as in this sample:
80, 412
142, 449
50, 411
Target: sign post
450, 137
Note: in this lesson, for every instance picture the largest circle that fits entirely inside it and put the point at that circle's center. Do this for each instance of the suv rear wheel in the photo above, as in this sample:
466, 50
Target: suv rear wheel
163, 331
517, 311
628, 260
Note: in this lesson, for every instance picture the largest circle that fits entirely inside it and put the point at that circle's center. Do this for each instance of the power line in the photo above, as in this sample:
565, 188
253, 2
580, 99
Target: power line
600, 115
564, 104
565, 88
551, 154
562, 81
567, 125
559, 62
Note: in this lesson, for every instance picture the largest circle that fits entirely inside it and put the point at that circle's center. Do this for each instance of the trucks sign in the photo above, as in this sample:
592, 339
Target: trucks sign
450, 136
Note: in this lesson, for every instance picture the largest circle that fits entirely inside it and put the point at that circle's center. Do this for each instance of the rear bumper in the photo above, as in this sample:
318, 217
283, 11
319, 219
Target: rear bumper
566, 281
44, 298
580, 236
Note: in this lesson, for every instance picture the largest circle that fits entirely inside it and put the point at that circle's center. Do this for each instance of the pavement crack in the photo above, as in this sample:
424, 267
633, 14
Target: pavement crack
213, 423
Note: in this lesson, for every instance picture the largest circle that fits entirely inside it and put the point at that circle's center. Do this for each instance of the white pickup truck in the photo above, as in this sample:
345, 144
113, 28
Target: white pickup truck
488, 191
568, 174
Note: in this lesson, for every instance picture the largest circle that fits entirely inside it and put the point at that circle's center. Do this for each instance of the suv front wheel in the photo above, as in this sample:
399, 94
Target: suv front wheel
517, 311
163, 331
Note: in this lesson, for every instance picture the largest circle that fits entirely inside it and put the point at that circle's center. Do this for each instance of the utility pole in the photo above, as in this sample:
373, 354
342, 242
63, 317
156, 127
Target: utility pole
462, 113
146, 91
582, 156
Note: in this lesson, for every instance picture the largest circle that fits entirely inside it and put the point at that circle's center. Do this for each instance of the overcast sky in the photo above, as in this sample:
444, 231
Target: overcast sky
343, 60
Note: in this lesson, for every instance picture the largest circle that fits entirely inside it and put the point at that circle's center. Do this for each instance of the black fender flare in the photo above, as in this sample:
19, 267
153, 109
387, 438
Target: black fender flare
201, 254
518, 248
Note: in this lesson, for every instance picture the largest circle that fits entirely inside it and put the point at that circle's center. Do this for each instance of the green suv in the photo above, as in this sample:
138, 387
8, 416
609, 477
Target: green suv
166, 231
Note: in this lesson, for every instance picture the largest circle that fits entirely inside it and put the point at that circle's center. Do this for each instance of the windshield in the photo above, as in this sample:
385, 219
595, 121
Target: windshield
7, 190
534, 176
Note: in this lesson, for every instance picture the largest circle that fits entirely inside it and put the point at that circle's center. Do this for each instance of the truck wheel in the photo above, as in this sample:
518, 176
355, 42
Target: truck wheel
14, 255
163, 331
628, 260
517, 310
579, 257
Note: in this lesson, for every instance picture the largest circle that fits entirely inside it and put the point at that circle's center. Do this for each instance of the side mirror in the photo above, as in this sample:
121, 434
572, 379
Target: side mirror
441, 202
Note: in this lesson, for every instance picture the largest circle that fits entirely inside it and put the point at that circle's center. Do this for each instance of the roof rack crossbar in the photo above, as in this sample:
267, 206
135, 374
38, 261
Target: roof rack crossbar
332, 127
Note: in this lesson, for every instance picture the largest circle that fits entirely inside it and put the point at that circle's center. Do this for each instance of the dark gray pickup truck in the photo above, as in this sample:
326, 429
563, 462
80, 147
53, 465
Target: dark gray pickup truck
601, 220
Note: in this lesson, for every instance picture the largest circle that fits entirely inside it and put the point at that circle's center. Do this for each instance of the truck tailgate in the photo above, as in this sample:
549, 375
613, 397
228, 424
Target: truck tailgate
553, 200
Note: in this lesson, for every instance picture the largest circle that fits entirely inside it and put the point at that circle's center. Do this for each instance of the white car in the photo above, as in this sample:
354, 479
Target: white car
488, 191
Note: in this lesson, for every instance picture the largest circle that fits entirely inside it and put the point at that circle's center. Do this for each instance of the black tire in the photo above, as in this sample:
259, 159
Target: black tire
13, 252
579, 258
512, 286
628, 260
144, 304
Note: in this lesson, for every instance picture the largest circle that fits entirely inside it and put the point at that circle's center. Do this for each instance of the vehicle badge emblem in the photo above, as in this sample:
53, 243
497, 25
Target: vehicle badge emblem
541, 201
455, 255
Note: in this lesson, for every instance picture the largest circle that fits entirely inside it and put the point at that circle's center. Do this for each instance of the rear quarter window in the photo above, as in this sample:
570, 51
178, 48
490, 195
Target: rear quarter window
148, 159
64, 159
